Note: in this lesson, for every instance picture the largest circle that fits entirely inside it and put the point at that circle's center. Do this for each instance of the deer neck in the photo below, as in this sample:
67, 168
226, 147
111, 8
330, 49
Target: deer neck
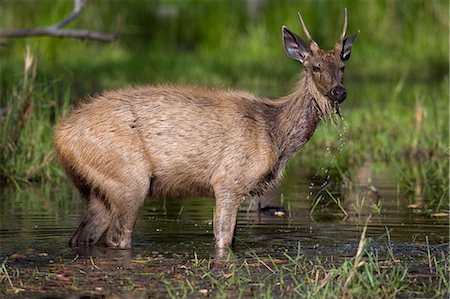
297, 117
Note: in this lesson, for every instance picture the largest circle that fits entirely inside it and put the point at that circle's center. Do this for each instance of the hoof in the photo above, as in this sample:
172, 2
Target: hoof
123, 244
84, 238
81, 242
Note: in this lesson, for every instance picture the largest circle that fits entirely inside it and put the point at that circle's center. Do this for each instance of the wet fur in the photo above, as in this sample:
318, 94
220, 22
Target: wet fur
176, 142
173, 141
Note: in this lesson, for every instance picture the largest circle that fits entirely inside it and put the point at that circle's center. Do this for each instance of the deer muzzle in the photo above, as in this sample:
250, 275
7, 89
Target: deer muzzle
338, 93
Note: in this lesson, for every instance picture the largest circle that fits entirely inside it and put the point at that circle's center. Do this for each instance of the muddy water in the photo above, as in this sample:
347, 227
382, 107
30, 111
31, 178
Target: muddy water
41, 220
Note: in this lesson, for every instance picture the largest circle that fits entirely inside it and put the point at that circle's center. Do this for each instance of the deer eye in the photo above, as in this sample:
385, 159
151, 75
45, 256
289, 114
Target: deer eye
316, 68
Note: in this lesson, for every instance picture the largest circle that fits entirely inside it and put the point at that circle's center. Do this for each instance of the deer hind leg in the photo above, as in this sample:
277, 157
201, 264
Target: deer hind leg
124, 217
96, 220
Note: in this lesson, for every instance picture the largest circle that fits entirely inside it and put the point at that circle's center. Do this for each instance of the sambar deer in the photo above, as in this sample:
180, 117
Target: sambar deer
173, 141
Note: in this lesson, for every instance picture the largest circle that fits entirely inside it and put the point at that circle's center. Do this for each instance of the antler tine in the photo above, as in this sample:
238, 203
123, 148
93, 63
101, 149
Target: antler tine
344, 30
305, 29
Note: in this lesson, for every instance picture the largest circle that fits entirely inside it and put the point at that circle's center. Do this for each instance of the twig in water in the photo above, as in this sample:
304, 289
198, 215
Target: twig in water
75, 258
338, 203
429, 255
359, 254
5, 272
93, 264
318, 196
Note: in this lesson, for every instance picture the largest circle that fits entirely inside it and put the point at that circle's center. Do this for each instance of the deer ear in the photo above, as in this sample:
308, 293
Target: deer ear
294, 46
347, 46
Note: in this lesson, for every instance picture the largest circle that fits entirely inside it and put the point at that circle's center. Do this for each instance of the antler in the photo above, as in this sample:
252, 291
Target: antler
344, 30
305, 29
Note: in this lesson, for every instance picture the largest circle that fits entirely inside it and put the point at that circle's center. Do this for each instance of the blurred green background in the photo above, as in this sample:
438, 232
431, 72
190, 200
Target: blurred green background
397, 78
235, 43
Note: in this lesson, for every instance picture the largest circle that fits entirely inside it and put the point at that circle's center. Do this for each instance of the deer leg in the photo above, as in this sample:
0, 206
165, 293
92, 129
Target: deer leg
227, 207
124, 217
95, 222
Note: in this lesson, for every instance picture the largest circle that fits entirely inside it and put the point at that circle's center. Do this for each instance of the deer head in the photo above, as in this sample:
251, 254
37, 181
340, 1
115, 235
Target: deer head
324, 71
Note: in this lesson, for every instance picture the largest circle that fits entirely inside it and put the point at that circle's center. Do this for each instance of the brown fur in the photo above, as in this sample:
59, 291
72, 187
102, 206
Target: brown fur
184, 141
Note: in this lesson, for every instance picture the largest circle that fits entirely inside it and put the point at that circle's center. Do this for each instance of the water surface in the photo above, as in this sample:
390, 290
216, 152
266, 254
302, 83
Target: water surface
42, 218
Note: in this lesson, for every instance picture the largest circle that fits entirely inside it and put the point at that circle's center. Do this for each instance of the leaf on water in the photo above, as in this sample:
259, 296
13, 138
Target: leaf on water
441, 214
388, 263
278, 261
17, 256
63, 277
52, 284
140, 261
252, 264
149, 270
414, 206
179, 276
18, 290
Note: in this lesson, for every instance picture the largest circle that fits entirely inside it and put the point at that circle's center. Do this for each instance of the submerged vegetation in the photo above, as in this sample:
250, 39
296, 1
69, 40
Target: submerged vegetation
395, 117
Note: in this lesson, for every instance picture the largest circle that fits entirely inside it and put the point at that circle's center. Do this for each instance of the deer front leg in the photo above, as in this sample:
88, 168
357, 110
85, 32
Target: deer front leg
227, 207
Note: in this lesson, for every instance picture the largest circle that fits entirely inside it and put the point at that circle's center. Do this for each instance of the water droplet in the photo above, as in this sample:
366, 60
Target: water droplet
329, 161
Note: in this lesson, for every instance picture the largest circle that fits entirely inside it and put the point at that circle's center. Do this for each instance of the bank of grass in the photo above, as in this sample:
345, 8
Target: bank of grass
227, 42
294, 277
396, 112
26, 126
369, 274
401, 124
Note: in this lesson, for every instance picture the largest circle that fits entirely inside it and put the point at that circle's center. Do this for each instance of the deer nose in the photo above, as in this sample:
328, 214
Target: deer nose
339, 93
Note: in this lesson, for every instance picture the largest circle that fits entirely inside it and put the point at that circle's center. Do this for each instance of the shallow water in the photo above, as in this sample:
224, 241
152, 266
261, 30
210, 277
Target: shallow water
41, 219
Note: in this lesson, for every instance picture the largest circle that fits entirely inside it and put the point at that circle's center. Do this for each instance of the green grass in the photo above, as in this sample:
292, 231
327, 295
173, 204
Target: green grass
228, 43
365, 275
398, 70
26, 130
